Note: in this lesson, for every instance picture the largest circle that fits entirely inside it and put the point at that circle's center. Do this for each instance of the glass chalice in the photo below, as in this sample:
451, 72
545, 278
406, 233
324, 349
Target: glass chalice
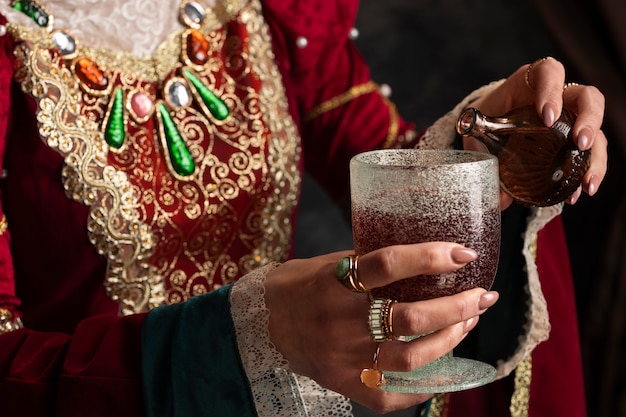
404, 196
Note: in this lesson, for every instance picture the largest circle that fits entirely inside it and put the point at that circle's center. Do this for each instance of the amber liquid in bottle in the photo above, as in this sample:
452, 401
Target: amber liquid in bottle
539, 165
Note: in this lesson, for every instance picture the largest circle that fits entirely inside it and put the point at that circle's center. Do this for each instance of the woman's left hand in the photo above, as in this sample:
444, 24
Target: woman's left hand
543, 84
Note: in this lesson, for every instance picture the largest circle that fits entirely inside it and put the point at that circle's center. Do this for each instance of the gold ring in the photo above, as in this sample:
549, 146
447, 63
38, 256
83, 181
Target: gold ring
346, 272
530, 68
568, 85
373, 377
381, 319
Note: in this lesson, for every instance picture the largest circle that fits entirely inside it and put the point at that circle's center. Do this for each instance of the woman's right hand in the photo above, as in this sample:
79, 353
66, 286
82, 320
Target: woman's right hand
322, 328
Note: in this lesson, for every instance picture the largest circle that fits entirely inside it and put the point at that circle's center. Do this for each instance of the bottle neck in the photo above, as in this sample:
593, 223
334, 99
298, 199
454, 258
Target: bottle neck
473, 123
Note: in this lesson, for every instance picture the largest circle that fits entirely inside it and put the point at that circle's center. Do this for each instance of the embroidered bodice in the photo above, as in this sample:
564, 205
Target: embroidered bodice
183, 198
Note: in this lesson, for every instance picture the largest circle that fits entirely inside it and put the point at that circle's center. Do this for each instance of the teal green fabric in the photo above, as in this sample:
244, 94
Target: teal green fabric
191, 365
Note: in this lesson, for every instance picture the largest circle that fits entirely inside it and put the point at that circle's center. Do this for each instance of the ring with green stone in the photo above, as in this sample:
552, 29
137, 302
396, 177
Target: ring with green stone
346, 272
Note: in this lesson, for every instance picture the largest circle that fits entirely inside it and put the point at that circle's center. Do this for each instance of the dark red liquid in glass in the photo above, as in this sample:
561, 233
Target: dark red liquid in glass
478, 230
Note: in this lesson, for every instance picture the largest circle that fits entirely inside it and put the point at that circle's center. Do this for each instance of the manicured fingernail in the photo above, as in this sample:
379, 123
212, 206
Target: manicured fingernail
593, 187
461, 255
549, 114
469, 323
583, 140
574, 197
487, 300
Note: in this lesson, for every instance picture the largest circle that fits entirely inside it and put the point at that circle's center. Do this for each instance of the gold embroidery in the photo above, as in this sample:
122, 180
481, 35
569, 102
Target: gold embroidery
521, 393
166, 240
4, 225
8, 322
333, 103
392, 134
438, 406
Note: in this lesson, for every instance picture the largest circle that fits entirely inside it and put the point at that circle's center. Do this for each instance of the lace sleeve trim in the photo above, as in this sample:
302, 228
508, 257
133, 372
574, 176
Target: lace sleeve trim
276, 390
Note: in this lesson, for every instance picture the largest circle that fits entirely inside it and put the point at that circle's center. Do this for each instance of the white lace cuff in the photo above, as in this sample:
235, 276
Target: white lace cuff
276, 390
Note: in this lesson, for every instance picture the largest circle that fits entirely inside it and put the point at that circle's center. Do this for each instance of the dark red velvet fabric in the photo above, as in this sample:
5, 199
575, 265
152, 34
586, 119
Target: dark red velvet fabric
557, 364
91, 373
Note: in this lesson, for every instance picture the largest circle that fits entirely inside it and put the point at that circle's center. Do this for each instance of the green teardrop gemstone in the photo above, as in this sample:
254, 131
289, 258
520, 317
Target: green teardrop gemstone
114, 133
180, 157
34, 11
216, 106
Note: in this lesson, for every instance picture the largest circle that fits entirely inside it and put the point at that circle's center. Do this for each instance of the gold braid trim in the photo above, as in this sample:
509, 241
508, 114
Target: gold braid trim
4, 225
392, 134
333, 103
351, 94
437, 406
8, 323
521, 393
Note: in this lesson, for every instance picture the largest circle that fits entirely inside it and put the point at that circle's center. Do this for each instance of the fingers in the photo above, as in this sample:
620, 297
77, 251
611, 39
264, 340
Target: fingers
384, 266
322, 329
546, 78
406, 356
505, 200
400, 356
588, 104
427, 316
598, 164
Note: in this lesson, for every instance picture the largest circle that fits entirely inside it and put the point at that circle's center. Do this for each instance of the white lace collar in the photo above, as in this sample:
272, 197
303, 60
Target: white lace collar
136, 26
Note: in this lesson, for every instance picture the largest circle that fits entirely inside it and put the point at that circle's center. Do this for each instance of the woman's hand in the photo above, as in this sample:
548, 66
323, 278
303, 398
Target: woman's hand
543, 83
322, 328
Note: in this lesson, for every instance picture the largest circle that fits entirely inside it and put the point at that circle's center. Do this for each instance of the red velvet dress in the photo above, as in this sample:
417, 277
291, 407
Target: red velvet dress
98, 236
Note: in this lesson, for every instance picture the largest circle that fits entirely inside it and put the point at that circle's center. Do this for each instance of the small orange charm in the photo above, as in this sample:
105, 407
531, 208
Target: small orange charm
90, 75
372, 378
197, 47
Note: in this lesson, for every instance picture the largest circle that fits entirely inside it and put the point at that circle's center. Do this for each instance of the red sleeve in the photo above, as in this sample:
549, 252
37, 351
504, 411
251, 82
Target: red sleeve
94, 372
8, 300
328, 68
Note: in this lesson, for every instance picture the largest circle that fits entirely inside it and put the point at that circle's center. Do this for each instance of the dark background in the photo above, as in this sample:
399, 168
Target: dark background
432, 54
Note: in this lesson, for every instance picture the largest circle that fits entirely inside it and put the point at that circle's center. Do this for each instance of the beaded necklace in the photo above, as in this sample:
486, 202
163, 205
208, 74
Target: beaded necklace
176, 92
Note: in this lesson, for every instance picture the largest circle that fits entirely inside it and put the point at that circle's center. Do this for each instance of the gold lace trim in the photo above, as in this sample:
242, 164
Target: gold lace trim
340, 100
4, 225
8, 322
392, 134
521, 392
437, 406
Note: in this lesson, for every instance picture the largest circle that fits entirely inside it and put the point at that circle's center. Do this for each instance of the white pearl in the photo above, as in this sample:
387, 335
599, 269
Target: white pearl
301, 42
354, 33
385, 90
3, 30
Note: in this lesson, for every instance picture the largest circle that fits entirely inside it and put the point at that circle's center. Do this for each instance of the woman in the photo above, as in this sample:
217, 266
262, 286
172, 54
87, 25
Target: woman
158, 151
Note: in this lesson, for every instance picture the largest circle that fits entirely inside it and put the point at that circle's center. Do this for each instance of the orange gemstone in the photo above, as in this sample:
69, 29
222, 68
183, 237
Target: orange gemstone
197, 47
90, 75
372, 378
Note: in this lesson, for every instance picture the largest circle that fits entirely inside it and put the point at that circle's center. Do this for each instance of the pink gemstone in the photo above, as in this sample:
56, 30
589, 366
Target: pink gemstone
141, 105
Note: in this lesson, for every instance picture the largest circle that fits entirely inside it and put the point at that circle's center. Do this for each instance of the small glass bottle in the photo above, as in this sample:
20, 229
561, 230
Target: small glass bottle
539, 165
